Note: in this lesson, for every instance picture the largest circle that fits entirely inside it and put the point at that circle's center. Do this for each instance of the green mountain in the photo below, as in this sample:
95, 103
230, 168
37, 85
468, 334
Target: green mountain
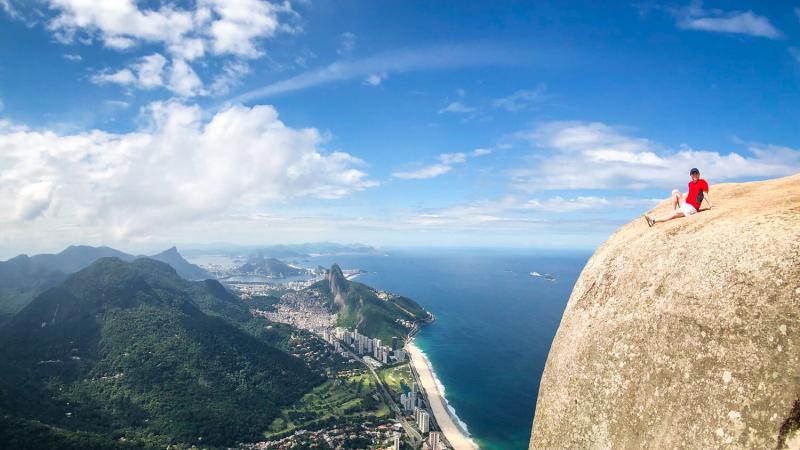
360, 306
77, 257
269, 267
130, 354
22, 278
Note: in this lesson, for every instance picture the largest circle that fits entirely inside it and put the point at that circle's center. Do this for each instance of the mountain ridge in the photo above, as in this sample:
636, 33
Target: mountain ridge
131, 349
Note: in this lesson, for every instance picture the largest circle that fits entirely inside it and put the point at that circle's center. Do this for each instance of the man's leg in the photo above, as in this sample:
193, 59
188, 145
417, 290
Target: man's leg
677, 199
666, 217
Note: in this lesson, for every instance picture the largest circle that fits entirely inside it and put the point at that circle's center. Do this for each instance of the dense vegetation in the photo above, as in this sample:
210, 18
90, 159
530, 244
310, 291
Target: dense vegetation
361, 307
132, 355
23, 278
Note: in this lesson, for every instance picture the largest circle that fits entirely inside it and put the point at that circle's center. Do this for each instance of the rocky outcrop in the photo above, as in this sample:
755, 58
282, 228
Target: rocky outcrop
338, 285
684, 335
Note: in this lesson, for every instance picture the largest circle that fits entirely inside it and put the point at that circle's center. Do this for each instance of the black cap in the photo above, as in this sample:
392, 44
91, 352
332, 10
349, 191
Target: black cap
693, 171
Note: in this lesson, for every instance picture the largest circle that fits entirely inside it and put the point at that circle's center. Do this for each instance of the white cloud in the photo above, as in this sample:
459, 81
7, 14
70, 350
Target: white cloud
521, 99
236, 25
429, 58
183, 80
145, 73
445, 165
179, 169
231, 75
72, 57
453, 158
221, 28
583, 155
226, 27
457, 107
347, 44
695, 17
122, 77
375, 79
423, 173
32, 200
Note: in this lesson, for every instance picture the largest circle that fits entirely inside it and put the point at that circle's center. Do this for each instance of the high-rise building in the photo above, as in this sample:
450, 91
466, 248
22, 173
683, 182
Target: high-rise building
396, 442
435, 440
424, 421
394, 342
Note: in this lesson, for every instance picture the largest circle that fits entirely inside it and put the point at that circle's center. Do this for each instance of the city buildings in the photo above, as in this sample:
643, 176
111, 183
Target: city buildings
435, 440
423, 420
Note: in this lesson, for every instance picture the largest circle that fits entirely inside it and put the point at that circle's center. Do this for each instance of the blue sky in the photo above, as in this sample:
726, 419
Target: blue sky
143, 124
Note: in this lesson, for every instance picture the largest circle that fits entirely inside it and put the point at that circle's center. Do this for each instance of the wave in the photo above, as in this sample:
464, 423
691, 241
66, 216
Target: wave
440, 386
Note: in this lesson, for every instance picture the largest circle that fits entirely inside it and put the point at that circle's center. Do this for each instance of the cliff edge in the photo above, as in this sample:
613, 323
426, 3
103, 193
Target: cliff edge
684, 335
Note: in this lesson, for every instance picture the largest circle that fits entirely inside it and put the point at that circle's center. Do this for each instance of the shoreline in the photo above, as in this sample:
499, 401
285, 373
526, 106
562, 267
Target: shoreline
446, 419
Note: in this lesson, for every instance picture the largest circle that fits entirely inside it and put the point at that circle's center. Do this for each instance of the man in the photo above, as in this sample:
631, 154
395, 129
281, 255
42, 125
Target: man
698, 191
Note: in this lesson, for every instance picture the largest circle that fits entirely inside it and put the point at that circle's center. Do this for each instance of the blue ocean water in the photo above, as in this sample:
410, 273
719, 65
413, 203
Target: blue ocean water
494, 326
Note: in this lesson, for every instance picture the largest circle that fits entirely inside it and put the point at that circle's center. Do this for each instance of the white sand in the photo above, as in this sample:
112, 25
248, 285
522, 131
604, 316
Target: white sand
457, 438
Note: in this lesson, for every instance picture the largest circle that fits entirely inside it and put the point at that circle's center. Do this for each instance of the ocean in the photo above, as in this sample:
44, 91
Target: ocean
495, 322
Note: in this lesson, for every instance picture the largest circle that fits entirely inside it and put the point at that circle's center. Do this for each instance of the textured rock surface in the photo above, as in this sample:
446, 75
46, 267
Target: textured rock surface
684, 335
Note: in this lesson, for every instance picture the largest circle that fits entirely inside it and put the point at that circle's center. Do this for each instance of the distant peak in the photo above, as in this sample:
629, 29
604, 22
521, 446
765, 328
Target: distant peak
336, 271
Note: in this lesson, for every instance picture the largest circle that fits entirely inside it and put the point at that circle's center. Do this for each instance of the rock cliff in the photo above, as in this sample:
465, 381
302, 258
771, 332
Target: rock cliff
684, 335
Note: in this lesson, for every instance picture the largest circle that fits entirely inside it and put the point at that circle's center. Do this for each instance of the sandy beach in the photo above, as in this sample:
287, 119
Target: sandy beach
457, 438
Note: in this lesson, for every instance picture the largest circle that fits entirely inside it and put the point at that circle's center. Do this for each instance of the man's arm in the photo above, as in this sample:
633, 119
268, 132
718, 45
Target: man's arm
708, 199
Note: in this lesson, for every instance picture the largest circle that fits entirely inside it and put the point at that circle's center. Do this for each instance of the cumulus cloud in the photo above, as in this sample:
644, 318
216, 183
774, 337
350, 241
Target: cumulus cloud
183, 80
695, 17
178, 169
144, 73
221, 26
594, 155
210, 27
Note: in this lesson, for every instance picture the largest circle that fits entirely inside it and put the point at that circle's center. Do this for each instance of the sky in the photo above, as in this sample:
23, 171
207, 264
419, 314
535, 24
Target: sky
143, 124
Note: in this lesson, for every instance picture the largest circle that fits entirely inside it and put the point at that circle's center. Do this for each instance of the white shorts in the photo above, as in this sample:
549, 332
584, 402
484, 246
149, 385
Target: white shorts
687, 209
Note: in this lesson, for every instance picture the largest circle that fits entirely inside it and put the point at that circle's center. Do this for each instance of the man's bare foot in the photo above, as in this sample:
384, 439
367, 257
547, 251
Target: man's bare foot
650, 220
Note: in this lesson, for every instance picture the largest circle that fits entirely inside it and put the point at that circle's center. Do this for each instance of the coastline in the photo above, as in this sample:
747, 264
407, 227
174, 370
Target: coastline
448, 423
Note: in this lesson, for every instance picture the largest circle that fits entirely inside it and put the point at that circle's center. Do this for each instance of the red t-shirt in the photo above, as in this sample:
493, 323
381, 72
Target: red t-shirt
695, 195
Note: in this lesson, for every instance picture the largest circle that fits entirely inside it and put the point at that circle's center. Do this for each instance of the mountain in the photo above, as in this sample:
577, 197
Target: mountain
130, 351
76, 257
20, 281
184, 268
22, 278
684, 335
360, 306
258, 264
